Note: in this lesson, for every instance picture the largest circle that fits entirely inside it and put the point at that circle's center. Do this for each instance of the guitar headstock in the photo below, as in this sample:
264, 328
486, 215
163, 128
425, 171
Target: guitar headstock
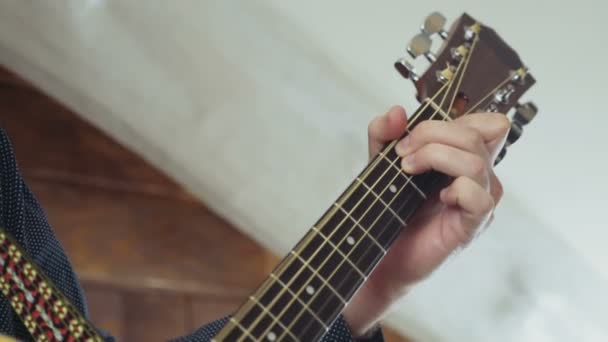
473, 71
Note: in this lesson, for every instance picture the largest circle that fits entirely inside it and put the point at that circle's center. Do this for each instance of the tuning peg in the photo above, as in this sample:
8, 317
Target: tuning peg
524, 113
502, 95
446, 74
515, 133
419, 45
501, 155
406, 69
434, 23
519, 75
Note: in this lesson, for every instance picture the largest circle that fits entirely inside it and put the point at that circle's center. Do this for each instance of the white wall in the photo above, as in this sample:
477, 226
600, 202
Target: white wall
260, 108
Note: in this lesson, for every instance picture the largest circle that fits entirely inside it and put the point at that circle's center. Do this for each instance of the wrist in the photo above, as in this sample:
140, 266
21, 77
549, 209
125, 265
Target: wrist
368, 307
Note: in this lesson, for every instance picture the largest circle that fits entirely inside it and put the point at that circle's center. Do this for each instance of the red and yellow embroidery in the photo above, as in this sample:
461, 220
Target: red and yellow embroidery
44, 310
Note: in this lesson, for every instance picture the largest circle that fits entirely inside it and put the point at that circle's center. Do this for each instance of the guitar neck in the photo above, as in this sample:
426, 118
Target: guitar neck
311, 286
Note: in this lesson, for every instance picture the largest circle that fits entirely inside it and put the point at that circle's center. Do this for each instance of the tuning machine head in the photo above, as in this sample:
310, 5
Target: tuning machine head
524, 113
421, 45
434, 23
406, 69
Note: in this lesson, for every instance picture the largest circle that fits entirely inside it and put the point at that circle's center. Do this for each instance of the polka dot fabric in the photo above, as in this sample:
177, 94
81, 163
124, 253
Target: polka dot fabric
23, 218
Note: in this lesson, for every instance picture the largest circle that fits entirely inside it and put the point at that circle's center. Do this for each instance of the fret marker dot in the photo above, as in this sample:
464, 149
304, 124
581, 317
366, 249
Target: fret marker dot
392, 188
271, 336
310, 290
350, 240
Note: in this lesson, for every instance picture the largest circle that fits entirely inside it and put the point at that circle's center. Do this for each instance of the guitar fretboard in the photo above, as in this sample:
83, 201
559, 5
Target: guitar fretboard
313, 284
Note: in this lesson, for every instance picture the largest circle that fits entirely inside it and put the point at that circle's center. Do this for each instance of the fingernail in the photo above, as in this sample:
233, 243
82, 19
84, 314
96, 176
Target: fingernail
407, 163
403, 147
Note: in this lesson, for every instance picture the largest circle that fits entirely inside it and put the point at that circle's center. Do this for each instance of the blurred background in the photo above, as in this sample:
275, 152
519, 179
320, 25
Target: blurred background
181, 148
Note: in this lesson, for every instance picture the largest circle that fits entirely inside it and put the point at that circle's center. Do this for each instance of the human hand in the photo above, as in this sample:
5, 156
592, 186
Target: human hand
465, 149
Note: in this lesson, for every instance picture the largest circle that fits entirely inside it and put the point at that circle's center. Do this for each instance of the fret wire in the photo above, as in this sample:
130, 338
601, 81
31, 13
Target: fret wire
307, 265
349, 191
402, 173
325, 283
340, 252
314, 271
382, 248
382, 155
358, 225
381, 201
356, 222
275, 319
286, 263
246, 331
272, 275
240, 314
391, 164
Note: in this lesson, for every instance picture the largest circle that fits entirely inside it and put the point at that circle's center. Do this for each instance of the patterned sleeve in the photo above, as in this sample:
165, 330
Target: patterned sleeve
23, 218
339, 332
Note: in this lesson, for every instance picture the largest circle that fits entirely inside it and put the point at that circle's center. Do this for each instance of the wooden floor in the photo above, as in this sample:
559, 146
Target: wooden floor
154, 261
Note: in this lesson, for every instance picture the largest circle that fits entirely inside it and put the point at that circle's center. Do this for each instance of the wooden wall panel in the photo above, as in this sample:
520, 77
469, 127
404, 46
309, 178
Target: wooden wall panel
154, 261
106, 308
131, 240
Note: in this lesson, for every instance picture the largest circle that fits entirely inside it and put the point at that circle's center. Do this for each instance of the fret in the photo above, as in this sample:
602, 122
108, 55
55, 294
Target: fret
379, 198
381, 178
339, 251
239, 333
428, 111
325, 257
339, 230
286, 303
404, 175
269, 327
374, 217
309, 289
306, 284
359, 225
314, 271
280, 303
432, 181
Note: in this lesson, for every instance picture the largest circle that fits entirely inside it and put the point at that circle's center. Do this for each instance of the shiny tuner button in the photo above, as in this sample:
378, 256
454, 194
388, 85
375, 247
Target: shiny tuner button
406, 69
524, 113
435, 23
419, 45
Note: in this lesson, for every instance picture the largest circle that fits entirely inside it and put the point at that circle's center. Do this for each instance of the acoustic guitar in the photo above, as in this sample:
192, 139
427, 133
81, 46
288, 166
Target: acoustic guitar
474, 70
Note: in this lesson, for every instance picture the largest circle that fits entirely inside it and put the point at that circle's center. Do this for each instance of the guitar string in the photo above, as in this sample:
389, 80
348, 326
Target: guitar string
464, 71
287, 262
490, 93
467, 60
294, 257
339, 225
460, 77
323, 244
397, 193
